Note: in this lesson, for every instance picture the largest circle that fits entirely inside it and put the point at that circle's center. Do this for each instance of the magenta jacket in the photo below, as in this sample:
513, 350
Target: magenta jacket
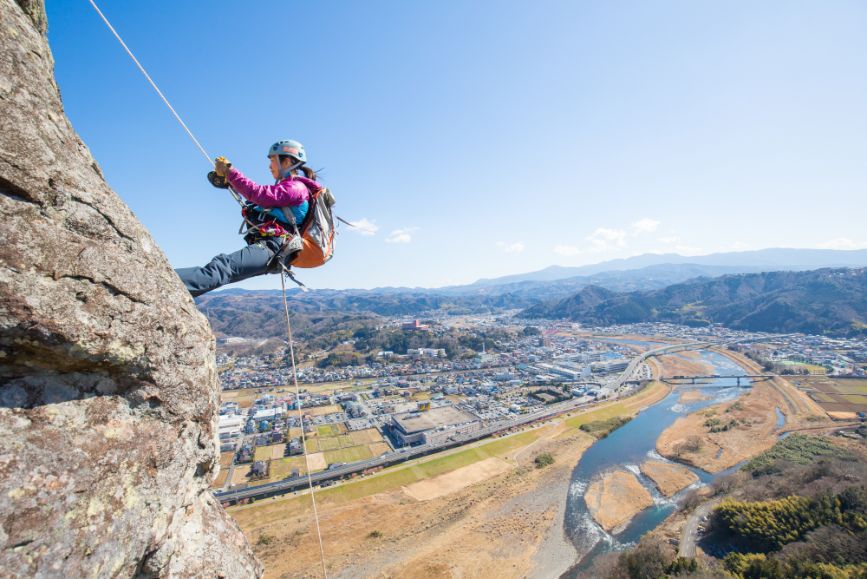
292, 191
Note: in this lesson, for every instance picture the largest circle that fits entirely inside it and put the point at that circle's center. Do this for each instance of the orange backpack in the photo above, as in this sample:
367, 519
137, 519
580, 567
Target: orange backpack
317, 231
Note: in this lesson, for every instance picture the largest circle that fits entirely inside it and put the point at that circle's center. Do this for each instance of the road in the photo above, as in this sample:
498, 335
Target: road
689, 534
232, 466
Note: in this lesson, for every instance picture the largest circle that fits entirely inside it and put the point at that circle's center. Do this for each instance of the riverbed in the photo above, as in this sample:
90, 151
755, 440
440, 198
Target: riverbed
629, 446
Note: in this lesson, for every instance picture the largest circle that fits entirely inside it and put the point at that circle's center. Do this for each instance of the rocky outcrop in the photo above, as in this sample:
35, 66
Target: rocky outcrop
108, 388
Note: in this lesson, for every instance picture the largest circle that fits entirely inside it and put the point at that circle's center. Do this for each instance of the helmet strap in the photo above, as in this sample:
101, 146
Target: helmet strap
288, 171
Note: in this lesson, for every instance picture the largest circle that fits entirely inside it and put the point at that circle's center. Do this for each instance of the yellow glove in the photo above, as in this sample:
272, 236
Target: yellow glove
222, 166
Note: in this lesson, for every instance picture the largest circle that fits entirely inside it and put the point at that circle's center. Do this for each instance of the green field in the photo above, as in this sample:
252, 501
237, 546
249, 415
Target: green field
411, 472
851, 386
327, 430
348, 454
814, 369
855, 399
264, 452
602, 428
283, 467
822, 397
611, 411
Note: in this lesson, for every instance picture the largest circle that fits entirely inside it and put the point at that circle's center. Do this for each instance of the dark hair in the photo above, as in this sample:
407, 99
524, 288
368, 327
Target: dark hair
308, 172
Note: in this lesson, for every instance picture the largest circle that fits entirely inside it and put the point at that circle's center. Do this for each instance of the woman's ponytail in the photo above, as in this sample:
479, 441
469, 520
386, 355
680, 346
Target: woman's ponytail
308, 172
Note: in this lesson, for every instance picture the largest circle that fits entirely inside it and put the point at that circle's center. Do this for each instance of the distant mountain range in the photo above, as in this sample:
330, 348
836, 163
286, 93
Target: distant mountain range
825, 301
257, 314
773, 259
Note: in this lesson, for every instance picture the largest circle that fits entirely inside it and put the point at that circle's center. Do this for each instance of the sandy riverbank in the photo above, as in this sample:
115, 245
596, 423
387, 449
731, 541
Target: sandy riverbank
615, 497
669, 478
692, 396
750, 425
684, 364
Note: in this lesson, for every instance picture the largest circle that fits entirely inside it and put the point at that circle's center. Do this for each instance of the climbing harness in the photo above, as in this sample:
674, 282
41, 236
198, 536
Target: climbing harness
285, 272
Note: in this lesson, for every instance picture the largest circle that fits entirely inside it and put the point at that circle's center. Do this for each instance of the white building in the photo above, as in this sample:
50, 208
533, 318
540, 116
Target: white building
270, 413
229, 426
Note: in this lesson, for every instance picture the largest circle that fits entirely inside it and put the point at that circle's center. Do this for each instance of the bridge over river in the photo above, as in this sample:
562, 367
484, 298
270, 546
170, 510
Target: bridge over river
717, 380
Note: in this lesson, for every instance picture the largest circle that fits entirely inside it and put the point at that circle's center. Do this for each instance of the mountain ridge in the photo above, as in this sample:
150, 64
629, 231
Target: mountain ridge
773, 258
823, 301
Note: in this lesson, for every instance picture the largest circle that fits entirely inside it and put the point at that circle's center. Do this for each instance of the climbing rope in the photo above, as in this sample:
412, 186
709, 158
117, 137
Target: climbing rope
152, 83
282, 284
301, 421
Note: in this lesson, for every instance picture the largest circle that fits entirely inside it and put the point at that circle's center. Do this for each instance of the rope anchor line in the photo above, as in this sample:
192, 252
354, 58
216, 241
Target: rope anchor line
282, 283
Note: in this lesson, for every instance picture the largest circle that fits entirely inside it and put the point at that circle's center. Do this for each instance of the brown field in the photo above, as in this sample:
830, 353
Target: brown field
262, 453
244, 397
295, 432
221, 479
316, 461
834, 395
239, 476
226, 459
321, 410
842, 415
456, 480
367, 436
379, 448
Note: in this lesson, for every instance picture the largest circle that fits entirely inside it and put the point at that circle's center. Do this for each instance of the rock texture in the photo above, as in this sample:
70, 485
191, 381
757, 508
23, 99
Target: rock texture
108, 388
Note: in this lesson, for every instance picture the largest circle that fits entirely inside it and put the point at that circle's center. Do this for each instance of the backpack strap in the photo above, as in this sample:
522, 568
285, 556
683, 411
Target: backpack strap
290, 217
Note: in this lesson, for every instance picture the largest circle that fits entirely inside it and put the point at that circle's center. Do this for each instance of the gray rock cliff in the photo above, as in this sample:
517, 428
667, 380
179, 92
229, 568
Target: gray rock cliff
108, 390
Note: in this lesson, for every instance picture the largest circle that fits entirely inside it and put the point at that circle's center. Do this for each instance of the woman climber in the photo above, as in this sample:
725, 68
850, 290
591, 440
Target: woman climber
273, 215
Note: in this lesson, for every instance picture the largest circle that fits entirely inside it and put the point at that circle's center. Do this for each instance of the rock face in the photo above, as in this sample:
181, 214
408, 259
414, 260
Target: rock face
108, 387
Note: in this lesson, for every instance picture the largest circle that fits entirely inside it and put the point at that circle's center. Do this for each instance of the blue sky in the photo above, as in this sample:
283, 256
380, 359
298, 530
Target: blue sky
485, 138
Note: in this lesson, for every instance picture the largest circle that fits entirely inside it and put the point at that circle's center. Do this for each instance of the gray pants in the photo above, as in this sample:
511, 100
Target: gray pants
223, 269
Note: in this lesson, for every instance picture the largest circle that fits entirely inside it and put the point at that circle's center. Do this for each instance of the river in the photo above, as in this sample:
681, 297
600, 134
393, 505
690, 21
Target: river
629, 446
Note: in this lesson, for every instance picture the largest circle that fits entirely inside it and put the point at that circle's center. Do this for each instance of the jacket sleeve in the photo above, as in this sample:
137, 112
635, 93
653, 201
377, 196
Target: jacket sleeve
286, 192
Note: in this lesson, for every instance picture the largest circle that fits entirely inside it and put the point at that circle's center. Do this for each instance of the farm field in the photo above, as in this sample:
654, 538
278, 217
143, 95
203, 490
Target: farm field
330, 429
270, 452
226, 459
841, 396
367, 436
283, 467
350, 454
328, 444
321, 410
811, 368
244, 397
221, 478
